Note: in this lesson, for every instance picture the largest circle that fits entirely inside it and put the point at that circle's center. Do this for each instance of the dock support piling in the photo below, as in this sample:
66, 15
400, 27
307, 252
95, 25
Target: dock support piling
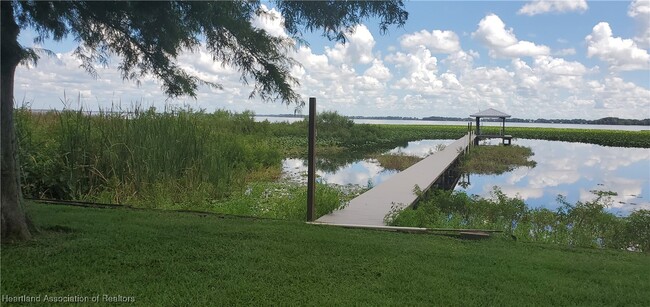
311, 163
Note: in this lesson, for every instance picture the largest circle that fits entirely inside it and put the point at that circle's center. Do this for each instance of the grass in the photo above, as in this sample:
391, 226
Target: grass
496, 159
194, 160
397, 162
165, 258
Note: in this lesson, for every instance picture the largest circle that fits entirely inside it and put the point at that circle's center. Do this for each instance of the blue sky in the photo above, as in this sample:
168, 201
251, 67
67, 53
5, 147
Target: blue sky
566, 59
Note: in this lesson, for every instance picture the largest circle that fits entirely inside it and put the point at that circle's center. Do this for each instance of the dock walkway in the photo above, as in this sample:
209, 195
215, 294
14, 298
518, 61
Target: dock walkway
396, 193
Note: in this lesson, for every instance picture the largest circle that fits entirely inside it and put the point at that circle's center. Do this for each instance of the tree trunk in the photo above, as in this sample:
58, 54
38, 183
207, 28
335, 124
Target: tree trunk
14, 223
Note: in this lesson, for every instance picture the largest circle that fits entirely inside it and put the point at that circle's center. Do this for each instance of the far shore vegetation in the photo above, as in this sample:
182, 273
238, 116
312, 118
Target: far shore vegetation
576, 121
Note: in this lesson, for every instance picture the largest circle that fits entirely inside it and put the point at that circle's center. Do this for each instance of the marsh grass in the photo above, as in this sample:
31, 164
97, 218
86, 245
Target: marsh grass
585, 224
397, 162
175, 159
144, 157
279, 200
496, 159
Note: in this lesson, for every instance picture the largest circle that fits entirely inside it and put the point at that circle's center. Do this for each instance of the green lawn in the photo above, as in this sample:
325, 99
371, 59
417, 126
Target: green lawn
170, 258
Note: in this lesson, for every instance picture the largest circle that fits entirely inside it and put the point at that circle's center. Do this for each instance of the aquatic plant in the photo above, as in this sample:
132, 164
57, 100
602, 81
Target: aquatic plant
496, 159
397, 161
585, 224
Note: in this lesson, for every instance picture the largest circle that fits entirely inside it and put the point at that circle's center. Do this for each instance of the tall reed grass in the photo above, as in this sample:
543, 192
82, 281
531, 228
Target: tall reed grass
143, 157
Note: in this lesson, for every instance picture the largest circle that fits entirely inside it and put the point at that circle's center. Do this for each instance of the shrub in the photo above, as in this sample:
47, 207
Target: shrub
637, 230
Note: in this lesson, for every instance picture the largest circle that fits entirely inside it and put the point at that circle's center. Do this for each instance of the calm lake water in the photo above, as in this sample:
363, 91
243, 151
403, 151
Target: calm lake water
568, 169
366, 172
274, 119
573, 170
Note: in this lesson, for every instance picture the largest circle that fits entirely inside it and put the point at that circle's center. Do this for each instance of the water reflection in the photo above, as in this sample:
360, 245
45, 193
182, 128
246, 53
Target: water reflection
345, 169
573, 170
421, 148
366, 172
568, 169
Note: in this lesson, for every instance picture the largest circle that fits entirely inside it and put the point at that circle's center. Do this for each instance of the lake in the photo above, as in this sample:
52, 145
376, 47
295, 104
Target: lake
568, 169
274, 119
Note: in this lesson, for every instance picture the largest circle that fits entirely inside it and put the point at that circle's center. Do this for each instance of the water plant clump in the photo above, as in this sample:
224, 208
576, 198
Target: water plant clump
281, 200
496, 159
398, 162
584, 224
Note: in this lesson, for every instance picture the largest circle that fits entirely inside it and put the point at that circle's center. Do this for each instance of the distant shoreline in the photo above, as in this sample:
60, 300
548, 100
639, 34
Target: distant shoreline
606, 121
602, 121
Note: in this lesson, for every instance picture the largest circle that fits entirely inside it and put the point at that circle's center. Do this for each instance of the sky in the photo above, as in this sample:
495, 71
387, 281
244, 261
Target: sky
535, 59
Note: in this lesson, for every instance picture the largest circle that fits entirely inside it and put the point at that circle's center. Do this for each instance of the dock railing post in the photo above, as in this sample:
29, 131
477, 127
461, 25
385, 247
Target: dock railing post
311, 161
470, 132
469, 137
478, 130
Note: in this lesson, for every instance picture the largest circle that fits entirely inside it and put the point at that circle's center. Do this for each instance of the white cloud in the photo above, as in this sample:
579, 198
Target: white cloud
502, 42
419, 69
488, 87
334, 81
460, 61
523, 48
524, 193
492, 31
640, 11
614, 95
61, 78
419, 63
546, 6
357, 48
558, 77
526, 77
558, 66
566, 51
437, 41
378, 71
619, 53
269, 20
546, 86
412, 80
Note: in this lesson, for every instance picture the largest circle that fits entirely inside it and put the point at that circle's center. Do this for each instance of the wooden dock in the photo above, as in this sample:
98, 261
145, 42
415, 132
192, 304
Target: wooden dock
396, 193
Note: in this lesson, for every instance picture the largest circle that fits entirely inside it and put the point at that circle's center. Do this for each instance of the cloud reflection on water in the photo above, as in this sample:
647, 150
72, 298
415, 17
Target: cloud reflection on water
362, 173
421, 148
569, 169
573, 170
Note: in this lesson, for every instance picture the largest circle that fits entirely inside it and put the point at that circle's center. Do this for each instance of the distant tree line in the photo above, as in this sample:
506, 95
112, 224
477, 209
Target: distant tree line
385, 117
602, 121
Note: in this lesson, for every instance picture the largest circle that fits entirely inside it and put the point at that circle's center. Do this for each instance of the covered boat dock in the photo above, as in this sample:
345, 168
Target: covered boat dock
492, 113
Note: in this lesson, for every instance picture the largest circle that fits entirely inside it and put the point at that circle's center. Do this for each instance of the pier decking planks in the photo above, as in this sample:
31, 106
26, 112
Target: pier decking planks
396, 193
